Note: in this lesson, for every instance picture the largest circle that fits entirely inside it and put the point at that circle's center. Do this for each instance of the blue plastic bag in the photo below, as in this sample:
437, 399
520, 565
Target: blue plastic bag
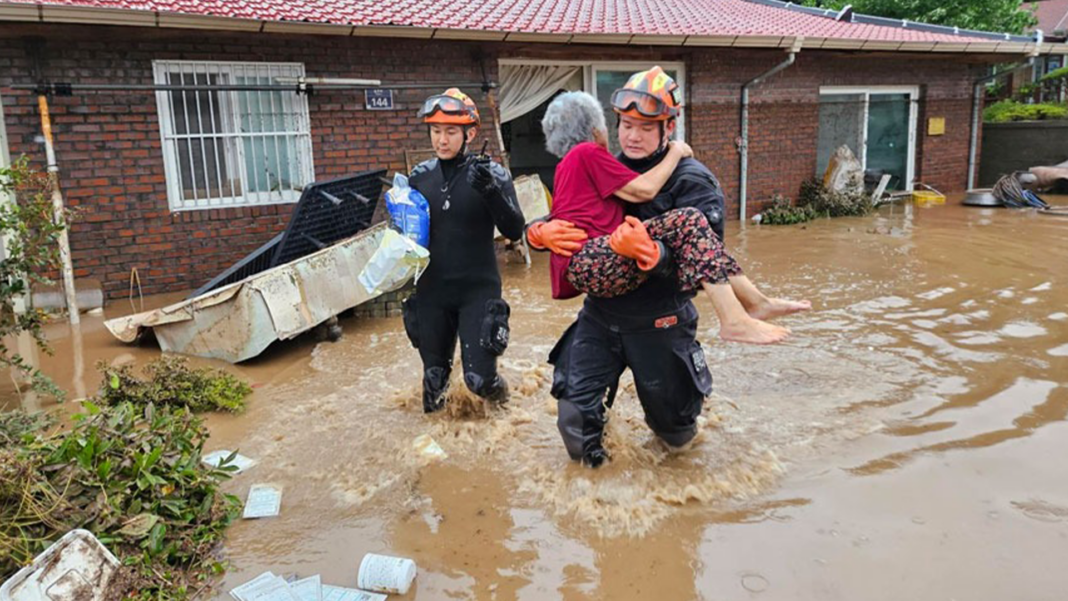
409, 211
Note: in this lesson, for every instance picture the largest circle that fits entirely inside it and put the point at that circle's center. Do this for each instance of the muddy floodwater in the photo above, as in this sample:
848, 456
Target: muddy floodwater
908, 442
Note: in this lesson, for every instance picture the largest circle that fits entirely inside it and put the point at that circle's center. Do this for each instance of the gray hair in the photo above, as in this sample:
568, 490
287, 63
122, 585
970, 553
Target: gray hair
570, 120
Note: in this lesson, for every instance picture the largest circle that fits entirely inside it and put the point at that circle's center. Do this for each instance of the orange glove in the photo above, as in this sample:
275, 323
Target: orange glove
559, 236
631, 240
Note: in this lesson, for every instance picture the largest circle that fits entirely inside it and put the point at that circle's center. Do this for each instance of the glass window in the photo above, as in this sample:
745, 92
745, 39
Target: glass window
232, 148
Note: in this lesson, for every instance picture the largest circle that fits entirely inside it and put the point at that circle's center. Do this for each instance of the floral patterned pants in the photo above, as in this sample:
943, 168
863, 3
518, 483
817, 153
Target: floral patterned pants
698, 254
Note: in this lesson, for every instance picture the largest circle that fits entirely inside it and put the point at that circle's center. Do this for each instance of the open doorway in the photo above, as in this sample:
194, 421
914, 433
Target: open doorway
526, 91
525, 144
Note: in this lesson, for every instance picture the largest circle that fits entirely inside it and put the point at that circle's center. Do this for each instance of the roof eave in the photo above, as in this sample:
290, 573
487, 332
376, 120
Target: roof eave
19, 12
137, 18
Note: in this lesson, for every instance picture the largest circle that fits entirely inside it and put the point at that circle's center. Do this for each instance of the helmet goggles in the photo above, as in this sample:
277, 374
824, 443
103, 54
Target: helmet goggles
444, 104
644, 103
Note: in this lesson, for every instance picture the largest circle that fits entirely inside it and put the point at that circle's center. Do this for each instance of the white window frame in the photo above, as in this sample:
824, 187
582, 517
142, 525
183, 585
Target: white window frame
297, 139
867, 91
589, 76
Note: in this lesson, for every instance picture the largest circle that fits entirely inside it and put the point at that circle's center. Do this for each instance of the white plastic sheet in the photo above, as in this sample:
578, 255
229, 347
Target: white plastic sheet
395, 261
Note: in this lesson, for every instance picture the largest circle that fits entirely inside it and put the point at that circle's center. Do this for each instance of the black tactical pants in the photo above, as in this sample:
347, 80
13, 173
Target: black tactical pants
435, 318
670, 375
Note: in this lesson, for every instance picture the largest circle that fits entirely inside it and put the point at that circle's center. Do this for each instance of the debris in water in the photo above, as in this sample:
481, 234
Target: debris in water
269, 587
275, 590
428, 448
226, 460
309, 589
76, 566
755, 583
386, 574
255, 587
337, 593
264, 501
172, 381
120, 472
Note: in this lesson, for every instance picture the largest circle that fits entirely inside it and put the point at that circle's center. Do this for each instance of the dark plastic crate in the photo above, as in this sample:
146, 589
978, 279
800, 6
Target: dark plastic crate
327, 213
259, 260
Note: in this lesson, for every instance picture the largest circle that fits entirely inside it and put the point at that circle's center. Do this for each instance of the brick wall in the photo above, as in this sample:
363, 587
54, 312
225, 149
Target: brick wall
784, 114
109, 149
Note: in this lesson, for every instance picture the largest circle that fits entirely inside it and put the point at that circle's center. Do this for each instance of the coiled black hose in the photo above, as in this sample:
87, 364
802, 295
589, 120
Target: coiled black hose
1013, 195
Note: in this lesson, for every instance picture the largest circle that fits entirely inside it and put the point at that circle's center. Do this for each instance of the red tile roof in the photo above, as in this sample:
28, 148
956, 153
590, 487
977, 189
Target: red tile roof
1052, 15
630, 17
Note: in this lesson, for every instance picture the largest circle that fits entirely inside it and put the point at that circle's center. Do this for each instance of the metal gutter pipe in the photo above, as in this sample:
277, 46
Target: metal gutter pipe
35, 50
743, 142
977, 103
299, 87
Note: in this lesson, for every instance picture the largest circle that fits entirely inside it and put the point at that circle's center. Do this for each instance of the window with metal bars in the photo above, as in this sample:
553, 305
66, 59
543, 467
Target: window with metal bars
226, 148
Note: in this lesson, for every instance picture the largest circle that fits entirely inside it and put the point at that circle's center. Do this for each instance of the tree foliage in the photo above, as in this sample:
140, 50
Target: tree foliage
1002, 16
31, 250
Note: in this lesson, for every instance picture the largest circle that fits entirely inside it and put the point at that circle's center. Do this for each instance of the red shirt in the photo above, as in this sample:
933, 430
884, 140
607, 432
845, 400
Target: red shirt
586, 181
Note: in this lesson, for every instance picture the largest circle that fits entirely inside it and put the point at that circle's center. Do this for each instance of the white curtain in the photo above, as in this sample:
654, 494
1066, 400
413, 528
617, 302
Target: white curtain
525, 87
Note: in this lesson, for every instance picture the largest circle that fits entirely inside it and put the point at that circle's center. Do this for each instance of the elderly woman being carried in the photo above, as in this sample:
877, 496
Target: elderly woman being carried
591, 187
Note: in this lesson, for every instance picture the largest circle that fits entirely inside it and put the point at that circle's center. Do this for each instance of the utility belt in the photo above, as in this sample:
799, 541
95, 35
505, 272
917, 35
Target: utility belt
629, 323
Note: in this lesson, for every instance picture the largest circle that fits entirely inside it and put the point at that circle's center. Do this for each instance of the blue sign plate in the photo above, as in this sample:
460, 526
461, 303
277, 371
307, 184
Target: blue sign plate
378, 100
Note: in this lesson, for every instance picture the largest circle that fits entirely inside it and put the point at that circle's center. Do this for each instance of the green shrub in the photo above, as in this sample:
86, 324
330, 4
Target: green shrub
172, 382
810, 192
132, 475
842, 204
129, 471
16, 426
783, 212
1010, 110
813, 200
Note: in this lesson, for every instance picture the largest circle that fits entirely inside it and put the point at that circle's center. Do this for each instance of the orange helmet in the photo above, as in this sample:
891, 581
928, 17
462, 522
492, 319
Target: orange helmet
451, 108
649, 95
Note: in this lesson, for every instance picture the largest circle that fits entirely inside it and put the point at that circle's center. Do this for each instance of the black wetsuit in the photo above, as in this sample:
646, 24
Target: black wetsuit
460, 292
652, 330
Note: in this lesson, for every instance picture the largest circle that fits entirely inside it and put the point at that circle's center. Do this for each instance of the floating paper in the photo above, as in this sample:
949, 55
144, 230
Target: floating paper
275, 590
264, 501
309, 589
336, 593
239, 592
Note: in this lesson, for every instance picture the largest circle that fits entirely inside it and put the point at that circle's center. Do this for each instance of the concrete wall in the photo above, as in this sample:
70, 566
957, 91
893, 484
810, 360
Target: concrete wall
109, 149
1009, 147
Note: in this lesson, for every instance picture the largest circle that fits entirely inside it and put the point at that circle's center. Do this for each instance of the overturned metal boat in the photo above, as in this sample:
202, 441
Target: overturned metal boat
240, 320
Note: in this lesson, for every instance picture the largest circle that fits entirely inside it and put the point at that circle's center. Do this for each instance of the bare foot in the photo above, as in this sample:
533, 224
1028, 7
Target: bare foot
777, 307
753, 331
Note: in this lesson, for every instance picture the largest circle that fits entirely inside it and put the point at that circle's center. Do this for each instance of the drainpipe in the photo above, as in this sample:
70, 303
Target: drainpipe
65, 267
35, 48
743, 141
977, 103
